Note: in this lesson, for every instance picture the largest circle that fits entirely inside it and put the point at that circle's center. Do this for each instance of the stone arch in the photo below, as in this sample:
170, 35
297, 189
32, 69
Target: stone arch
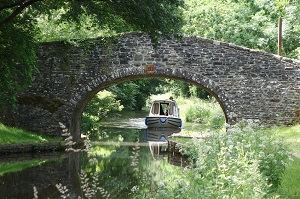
85, 94
249, 84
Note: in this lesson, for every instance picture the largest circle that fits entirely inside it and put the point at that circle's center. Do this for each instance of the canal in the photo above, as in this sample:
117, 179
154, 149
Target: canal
124, 160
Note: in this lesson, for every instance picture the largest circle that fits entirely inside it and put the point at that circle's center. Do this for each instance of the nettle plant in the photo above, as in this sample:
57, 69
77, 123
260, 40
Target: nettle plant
245, 162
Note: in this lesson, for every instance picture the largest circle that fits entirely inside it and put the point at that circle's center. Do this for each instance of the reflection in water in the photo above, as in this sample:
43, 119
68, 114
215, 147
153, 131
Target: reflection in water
158, 139
130, 123
118, 170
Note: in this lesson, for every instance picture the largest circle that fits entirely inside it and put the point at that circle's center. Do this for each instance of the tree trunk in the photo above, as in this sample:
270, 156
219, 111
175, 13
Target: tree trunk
279, 46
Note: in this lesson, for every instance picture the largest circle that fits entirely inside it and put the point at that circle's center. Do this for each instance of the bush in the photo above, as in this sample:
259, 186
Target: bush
198, 92
245, 163
208, 113
217, 120
198, 114
133, 94
103, 105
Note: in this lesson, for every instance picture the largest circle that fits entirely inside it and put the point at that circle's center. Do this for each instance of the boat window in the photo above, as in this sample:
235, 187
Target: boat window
164, 108
175, 110
155, 108
171, 109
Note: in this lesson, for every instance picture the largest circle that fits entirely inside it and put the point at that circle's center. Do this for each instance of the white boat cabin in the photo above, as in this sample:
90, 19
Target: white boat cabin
164, 108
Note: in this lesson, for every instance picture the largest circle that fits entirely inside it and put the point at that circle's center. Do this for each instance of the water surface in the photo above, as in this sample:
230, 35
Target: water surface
124, 161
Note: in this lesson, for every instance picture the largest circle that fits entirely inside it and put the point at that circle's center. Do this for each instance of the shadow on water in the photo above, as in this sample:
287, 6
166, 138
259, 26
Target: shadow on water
121, 163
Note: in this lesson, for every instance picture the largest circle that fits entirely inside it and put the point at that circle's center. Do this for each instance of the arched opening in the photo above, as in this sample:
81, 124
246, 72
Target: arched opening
131, 74
115, 157
198, 110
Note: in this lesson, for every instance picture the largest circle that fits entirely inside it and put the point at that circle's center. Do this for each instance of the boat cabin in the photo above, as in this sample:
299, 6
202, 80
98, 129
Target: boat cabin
164, 108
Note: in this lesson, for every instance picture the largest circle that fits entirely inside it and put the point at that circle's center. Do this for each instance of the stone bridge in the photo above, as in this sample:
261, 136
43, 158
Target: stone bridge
249, 84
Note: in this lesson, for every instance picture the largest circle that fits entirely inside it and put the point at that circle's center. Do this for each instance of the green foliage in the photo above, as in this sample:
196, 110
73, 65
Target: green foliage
184, 89
290, 184
21, 23
12, 167
218, 120
17, 61
198, 114
208, 113
52, 28
198, 92
248, 23
126, 93
254, 147
103, 105
241, 164
289, 134
79, 20
176, 87
134, 94
281, 6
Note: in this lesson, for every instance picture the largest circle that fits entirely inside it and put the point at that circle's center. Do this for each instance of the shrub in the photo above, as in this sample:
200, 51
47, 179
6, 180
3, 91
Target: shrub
245, 163
198, 92
198, 114
103, 105
209, 113
217, 120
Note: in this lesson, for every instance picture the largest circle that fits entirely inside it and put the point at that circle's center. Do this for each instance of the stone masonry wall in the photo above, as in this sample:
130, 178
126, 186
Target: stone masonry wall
248, 84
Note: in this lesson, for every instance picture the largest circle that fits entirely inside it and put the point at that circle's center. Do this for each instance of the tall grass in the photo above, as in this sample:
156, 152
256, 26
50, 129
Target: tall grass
206, 112
246, 163
289, 134
290, 185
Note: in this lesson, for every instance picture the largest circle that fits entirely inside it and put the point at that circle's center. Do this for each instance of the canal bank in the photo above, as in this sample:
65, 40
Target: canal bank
14, 140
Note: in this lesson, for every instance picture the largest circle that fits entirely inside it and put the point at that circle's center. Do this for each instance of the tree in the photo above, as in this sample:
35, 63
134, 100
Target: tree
281, 7
248, 23
134, 94
18, 30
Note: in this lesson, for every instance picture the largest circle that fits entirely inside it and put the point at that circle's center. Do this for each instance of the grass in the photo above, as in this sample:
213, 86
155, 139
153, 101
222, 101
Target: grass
290, 184
290, 135
10, 135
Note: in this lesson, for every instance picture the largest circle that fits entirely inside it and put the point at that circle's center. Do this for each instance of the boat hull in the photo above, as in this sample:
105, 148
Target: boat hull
160, 134
163, 122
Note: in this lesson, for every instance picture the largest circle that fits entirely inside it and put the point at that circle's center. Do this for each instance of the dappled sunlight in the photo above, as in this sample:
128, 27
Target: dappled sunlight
141, 99
11, 135
100, 151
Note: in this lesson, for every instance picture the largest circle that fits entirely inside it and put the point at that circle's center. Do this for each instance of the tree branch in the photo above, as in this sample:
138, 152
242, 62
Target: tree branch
11, 4
17, 11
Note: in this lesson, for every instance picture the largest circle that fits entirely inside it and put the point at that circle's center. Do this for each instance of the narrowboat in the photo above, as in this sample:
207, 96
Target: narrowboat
163, 114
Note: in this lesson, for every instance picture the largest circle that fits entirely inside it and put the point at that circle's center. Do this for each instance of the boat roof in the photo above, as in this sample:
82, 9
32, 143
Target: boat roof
164, 101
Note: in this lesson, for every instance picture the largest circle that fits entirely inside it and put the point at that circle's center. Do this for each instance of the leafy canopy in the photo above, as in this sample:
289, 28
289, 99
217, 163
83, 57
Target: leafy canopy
248, 23
23, 23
